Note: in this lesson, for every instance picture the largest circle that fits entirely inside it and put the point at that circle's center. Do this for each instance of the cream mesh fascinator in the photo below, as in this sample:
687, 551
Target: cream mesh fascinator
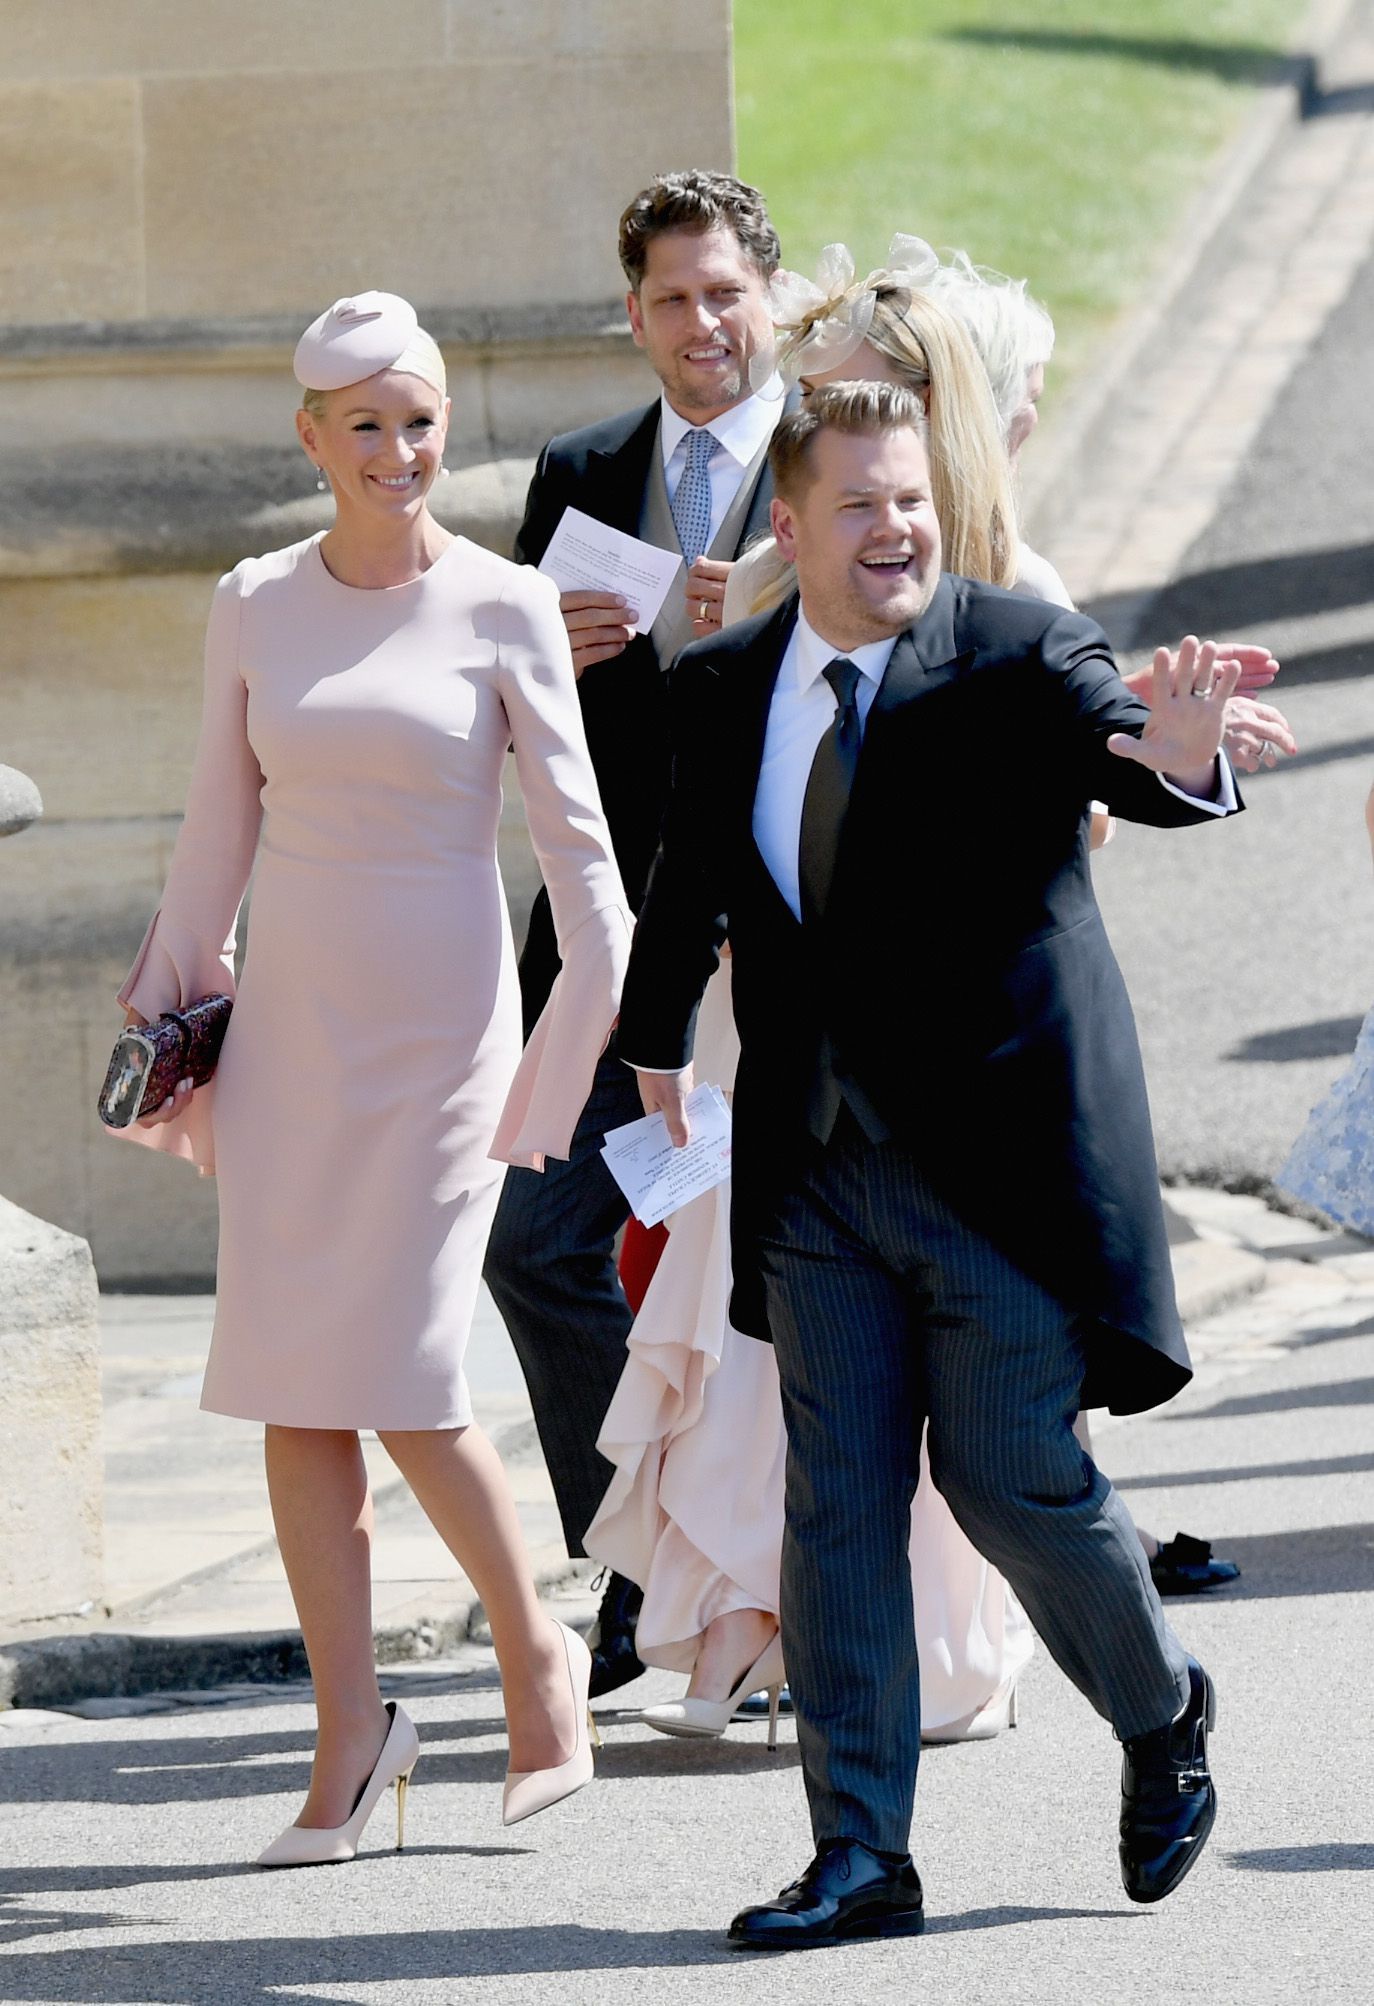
821, 322
356, 338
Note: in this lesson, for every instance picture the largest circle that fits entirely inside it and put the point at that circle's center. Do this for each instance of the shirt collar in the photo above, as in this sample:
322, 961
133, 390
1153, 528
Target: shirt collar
742, 430
814, 655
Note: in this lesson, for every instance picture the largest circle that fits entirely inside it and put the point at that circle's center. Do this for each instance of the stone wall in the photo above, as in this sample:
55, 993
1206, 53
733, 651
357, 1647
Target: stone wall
182, 186
50, 1509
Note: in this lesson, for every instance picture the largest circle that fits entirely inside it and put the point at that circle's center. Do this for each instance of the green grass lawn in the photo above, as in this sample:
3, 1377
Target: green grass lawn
1057, 139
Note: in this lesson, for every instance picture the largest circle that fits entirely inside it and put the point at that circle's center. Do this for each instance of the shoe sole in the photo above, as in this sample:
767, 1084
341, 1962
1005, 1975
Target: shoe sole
681, 1732
865, 1930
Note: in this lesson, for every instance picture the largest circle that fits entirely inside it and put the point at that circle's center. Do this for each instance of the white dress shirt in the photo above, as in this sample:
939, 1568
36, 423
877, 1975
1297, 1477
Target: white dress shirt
802, 711
740, 435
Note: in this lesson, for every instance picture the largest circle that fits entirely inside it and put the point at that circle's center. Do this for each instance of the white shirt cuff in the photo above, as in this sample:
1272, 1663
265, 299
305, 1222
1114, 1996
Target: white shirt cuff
1225, 802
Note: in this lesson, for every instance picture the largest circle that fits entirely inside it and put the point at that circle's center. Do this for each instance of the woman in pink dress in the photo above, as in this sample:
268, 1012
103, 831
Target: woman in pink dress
361, 691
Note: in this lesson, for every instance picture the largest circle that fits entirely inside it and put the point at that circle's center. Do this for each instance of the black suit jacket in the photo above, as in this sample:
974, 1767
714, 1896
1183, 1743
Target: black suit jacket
602, 470
963, 971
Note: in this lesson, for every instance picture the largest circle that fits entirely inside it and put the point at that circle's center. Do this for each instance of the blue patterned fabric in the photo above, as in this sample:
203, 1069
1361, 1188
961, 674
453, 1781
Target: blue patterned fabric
692, 499
1331, 1165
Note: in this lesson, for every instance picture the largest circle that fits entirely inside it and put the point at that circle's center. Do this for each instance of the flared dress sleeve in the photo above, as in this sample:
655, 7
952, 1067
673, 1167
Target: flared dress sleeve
188, 950
573, 845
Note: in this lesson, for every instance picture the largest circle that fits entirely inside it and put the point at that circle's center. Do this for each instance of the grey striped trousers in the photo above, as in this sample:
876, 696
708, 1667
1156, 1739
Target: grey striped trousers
888, 1310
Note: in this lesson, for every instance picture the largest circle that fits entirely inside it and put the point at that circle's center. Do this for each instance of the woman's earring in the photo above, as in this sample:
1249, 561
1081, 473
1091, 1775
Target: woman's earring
320, 482
444, 472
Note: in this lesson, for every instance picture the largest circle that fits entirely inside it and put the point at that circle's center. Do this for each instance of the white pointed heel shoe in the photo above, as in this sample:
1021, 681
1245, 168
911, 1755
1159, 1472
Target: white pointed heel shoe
531, 1790
323, 1845
707, 1720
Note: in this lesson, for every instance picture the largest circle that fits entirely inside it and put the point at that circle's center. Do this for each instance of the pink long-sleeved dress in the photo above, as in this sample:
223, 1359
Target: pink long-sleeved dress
371, 1083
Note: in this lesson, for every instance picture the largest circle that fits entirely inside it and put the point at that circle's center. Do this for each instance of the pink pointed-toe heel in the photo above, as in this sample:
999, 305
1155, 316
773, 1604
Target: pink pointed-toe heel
707, 1720
325, 1845
530, 1790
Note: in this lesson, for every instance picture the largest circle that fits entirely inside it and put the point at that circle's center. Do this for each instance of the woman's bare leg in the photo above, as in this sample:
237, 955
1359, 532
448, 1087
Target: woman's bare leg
322, 1510
459, 1480
729, 1646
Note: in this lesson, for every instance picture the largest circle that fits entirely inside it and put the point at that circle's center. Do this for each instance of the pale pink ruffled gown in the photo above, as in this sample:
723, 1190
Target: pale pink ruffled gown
353, 743
694, 1511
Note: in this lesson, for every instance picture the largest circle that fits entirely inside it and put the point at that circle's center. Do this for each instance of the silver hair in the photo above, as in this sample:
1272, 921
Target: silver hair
1012, 332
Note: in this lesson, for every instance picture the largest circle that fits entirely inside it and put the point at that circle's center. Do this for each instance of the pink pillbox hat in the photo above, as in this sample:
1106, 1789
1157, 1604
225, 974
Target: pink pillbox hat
357, 337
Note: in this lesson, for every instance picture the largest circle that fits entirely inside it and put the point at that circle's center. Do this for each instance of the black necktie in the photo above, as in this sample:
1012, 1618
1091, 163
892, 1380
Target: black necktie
827, 790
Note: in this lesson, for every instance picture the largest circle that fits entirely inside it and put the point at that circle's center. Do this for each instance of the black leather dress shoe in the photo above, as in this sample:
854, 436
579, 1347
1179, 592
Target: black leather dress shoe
1168, 1798
847, 1891
1184, 1566
614, 1662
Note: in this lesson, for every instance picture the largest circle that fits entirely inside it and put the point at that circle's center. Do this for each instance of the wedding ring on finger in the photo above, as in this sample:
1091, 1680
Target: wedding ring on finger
705, 610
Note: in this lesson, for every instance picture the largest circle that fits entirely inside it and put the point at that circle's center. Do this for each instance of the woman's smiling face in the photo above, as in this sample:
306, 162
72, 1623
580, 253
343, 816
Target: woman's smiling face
380, 442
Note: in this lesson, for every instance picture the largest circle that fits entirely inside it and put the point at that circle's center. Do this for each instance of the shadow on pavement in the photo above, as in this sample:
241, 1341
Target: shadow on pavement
1327, 665
1337, 1858
1224, 599
1233, 62
261, 1969
1249, 1473
1326, 1038
20, 1881
1001, 1918
224, 1767
1333, 1393
1315, 1560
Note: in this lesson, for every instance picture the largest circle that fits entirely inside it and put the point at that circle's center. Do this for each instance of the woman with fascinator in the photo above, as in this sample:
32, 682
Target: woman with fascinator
361, 691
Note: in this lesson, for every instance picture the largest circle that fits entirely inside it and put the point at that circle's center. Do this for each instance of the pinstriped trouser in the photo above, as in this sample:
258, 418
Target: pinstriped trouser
886, 1310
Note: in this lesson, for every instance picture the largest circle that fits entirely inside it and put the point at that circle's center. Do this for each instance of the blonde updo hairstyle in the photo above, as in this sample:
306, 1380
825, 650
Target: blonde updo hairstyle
1011, 332
970, 477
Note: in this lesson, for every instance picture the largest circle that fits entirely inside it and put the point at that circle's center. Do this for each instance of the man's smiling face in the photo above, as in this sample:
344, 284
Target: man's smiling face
863, 534
701, 313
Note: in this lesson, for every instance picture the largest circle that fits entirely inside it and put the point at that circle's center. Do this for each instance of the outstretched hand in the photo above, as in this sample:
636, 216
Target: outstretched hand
1188, 697
1257, 734
1258, 669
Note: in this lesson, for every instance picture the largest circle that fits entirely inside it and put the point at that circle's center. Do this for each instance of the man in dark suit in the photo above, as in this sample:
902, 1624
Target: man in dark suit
688, 472
945, 1200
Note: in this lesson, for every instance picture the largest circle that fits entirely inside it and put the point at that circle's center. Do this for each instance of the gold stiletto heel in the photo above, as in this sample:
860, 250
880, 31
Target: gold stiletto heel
593, 1729
313, 1846
402, 1785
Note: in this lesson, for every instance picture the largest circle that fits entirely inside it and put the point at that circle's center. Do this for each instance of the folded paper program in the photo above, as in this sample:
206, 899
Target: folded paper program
658, 1178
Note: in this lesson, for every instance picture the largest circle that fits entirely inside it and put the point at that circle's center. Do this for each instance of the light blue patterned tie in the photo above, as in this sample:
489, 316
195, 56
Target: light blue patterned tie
692, 501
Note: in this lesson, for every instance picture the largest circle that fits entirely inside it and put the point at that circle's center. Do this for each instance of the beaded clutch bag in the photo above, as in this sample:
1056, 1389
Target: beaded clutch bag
148, 1060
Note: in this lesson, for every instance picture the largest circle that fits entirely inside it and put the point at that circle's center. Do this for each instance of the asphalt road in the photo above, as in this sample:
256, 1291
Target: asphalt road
1249, 948
124, 1841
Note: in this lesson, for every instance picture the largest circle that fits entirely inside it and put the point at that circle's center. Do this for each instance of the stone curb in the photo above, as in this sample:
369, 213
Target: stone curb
1062, 466
1211, 1276
62, 1670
